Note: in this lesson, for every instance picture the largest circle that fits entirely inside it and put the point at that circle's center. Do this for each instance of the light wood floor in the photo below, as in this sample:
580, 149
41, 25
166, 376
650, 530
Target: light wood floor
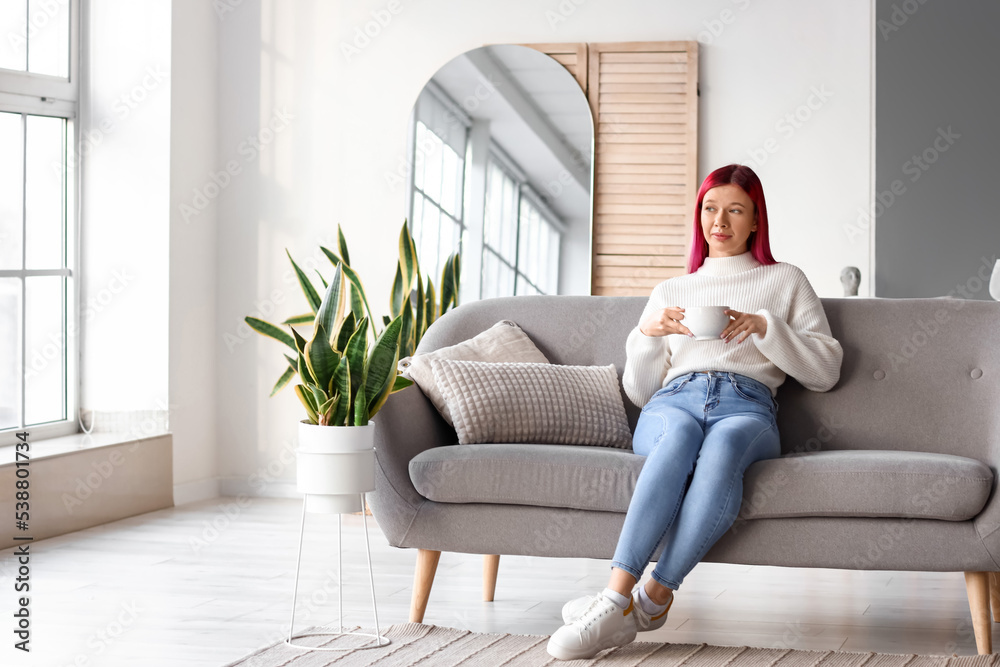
169, 588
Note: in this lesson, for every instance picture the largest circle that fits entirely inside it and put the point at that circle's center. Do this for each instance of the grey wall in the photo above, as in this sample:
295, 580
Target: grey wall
936, 98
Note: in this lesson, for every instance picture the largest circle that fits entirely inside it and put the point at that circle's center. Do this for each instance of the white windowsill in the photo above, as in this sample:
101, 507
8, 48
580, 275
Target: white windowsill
67, 444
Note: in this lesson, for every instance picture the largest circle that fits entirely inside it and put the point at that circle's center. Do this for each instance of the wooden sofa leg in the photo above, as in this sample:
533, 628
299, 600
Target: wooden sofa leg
423, 579
491, 564
995, 595
977, 587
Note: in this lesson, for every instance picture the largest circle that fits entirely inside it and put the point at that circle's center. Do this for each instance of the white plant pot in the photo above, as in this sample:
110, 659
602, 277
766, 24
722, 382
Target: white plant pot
335, 465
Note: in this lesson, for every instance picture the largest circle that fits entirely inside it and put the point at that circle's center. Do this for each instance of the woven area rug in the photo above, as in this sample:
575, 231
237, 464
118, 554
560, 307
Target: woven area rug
431, 645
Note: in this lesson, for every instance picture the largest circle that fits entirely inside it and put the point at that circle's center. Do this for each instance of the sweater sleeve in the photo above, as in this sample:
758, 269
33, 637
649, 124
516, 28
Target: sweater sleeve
647, 358
802, 347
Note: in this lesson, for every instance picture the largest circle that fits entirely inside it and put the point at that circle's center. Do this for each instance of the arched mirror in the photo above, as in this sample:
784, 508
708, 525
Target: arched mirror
501, 142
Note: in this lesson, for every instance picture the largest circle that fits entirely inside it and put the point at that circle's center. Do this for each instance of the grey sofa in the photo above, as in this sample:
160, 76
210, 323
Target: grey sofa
892, 469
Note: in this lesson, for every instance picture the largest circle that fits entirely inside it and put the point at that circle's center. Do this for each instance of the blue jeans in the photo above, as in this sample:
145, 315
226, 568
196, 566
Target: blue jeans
698, 434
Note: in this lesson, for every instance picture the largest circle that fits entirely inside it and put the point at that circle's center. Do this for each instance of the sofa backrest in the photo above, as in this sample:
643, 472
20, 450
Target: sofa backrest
918, 374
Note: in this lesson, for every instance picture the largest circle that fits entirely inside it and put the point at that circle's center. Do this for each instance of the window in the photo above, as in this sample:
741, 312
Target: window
457, 169
538, 251
439, 144
520, 240
38, 221
499, 233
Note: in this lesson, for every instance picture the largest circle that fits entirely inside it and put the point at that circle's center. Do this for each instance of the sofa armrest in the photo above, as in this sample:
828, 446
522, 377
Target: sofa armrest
407, 424
987, 522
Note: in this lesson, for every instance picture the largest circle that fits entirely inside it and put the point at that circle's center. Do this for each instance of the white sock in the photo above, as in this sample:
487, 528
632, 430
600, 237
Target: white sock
648, 605
616, 597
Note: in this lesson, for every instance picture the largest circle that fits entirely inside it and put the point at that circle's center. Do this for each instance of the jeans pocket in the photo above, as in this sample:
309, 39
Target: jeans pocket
757, 394
672, 388
675, 386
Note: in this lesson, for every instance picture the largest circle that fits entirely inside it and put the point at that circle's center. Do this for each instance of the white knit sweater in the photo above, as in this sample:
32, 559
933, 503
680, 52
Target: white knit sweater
797, 341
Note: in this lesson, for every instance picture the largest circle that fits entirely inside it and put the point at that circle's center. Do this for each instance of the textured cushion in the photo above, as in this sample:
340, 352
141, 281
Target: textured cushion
867, 483
524, 402
844, 483
504, 341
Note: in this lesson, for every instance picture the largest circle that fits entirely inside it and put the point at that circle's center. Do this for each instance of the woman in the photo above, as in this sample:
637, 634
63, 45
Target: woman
709, 408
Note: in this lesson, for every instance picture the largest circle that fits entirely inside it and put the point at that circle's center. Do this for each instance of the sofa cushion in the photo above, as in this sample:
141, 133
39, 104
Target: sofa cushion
573, 476
526, 402
504, 341
845, 483
866, 483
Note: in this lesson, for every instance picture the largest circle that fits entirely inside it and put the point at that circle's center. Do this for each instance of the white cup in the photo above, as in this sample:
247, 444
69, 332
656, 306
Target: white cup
706, 322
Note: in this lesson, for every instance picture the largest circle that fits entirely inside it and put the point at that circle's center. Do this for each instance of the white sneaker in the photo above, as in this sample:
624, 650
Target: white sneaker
573, 609
603, 624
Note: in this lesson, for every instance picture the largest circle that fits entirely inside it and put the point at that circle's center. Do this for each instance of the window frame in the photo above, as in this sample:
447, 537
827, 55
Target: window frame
497, 157
510, 168
461, 117
30, 94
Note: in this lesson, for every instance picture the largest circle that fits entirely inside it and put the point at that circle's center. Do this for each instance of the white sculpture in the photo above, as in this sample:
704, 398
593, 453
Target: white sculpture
850, 278
995, 281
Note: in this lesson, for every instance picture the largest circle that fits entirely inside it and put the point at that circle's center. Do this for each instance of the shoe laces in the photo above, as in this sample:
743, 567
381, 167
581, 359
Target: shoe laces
599, 607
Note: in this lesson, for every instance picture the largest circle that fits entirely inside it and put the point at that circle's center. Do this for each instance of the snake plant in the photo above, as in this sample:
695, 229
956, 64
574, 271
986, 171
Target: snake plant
418, 306
347, 335
344, 384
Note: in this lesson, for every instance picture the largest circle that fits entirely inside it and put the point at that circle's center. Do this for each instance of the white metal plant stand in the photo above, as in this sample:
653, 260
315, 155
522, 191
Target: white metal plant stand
335, 482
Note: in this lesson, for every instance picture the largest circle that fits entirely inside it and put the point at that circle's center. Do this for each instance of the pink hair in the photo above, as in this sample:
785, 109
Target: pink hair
746, 179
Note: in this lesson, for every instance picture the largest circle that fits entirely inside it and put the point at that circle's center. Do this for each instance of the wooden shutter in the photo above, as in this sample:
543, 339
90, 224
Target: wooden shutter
644, 98
572, 56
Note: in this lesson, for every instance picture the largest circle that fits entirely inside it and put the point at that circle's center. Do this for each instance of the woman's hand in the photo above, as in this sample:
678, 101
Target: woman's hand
665, 322
743, 325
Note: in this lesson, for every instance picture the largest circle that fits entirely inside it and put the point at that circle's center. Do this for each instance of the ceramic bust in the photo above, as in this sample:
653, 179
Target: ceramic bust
850, 278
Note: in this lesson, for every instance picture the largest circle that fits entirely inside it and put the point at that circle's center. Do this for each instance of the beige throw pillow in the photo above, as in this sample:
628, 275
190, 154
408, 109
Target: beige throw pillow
538, 403
503, 342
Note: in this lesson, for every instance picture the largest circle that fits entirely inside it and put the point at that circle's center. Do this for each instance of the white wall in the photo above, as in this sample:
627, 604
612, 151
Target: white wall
149, 127
194, 122
760, 61
124, 122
